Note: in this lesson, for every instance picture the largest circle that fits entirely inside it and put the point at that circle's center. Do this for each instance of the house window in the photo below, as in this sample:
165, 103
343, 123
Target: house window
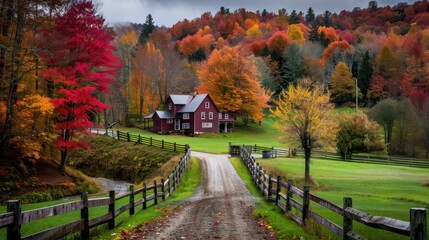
207, 105
226, 116
220, 116
186, 125
203, 115
169, 121
170, 106
210, 115
186, 116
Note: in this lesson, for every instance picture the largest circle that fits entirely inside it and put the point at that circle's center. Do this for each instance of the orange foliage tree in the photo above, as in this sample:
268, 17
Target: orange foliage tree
343, 85
278, 43
231, 80
341, 46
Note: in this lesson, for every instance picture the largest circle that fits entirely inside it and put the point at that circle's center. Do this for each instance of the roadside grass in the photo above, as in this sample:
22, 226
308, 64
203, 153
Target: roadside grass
284, 227
265, 135
378, 190
188, 184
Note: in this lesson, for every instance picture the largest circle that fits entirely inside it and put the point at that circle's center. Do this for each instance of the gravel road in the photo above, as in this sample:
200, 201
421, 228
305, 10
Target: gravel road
221, 208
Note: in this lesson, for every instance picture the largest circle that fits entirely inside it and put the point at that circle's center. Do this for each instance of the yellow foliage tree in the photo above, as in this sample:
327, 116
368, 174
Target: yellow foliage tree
253, 32
231, 80
343, 85
295, 32
304, 115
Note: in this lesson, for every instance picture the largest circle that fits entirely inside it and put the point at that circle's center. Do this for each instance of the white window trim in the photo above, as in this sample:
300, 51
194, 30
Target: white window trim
220, 116
211, 115
186, 125
203, 115
207, 104
226, 116
169, 121
170, 106
186, 116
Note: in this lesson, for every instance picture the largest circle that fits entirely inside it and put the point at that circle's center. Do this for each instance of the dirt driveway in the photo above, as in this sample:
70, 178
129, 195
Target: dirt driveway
221, 208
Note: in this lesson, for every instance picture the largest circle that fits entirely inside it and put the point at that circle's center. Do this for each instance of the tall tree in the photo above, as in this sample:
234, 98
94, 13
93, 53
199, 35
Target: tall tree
326, 20
147, 29
365, 73
304, 115
80, 62
231, 79
293, 18
342, 86
385, 113
294, 64
309, 17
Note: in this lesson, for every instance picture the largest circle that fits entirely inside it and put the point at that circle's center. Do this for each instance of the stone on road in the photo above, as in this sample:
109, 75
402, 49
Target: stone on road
221, 208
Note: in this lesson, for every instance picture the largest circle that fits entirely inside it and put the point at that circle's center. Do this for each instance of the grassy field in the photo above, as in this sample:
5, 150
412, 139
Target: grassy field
379, 190
285, 228
186, 188
265, 135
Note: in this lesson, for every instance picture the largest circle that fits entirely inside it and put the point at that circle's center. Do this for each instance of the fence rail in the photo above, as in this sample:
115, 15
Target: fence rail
372, 159
286, 196
138, 139
267, 152
15, 218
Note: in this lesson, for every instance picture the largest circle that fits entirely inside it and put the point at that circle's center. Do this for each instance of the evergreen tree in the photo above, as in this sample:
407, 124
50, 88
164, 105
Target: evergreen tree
148, 28
294, 64
309, 17
326, 20
313, 35
293, 18
365, 73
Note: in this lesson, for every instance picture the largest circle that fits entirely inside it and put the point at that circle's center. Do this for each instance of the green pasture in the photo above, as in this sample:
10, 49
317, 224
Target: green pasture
378, 190
264, 135
188, 184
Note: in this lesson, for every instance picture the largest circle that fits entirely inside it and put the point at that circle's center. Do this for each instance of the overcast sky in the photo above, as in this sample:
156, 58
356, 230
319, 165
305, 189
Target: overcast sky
168, 12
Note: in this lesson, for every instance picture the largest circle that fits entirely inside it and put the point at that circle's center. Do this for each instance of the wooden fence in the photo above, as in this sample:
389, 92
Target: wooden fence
15, 218
266, 152
286, 196
372, 159
138, 139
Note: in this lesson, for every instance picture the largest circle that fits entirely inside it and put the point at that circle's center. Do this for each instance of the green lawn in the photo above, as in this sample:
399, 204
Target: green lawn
186, 188
264, 135
379, 190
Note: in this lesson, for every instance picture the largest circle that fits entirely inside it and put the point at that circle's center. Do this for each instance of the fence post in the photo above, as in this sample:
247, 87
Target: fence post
155, 192
278, 190
84, 215
289, 195
128, 136
144, 196
418, 224
117, 133
163, 189
305, 203
14, 229
270, 185
112, 209
170, 178
174, 146
132, 208
150, 141
347, 222
140, 139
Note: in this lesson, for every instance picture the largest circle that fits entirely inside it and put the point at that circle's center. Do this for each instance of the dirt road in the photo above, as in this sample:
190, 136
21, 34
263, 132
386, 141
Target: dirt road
221, 208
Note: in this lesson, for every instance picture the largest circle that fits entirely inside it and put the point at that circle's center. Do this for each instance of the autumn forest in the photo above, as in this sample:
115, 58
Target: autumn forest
63, 70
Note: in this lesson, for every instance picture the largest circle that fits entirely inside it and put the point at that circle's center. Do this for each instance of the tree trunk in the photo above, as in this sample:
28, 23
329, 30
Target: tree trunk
141, 108
307, 152
63, 161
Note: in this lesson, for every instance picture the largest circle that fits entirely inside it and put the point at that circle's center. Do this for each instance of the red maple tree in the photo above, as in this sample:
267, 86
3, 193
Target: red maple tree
79, 62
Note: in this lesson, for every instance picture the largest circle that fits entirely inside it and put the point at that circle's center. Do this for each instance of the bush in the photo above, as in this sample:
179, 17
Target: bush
35, 197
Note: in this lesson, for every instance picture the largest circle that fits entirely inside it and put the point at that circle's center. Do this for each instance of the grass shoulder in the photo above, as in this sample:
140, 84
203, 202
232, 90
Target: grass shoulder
285, 228
188, 184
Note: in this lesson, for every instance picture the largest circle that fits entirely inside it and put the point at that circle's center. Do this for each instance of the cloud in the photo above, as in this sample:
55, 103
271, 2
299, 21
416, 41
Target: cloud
168, 12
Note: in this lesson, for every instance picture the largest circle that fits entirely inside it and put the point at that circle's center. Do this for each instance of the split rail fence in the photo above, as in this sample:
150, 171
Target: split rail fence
138, 139
151, 195
286, 196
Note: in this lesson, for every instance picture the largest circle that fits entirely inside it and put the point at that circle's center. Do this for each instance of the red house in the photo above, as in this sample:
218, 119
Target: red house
190, 114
